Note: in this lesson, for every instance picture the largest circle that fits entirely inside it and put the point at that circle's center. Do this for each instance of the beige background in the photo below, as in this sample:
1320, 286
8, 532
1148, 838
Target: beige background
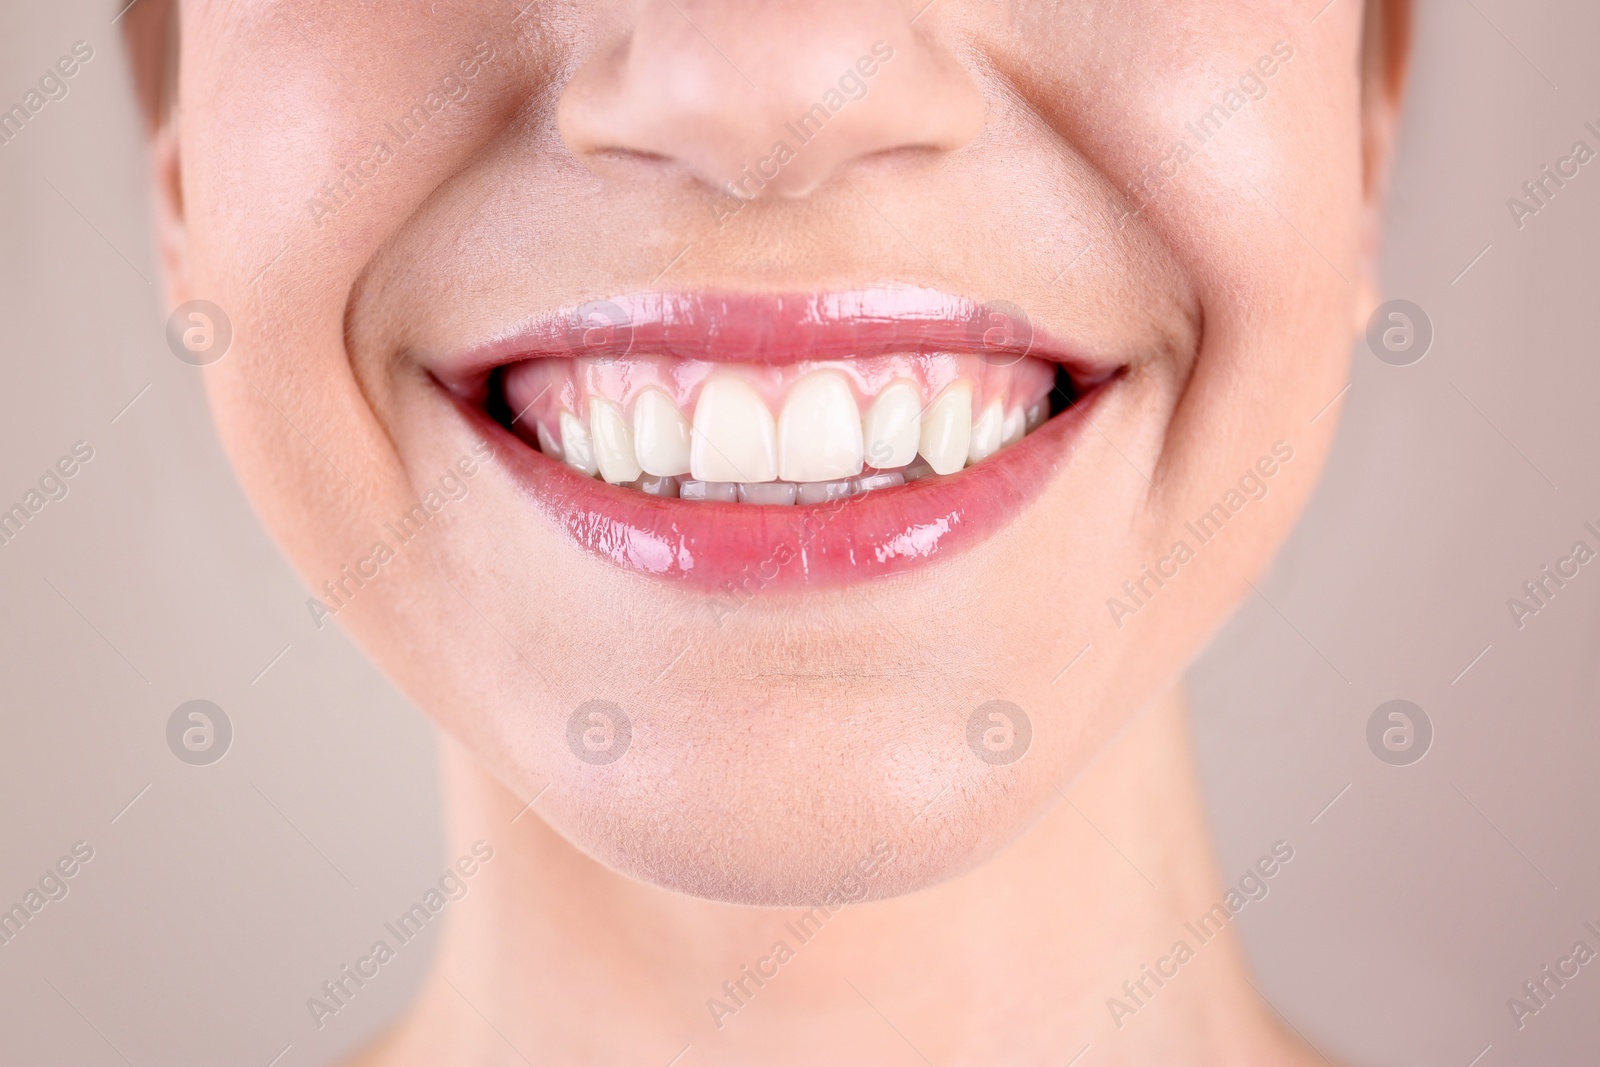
1416, 904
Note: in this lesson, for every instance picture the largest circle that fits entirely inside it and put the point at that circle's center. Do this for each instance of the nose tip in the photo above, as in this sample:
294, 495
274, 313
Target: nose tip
758, 99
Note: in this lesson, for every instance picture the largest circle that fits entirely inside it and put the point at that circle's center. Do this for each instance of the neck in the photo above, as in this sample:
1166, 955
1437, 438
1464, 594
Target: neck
1068, 938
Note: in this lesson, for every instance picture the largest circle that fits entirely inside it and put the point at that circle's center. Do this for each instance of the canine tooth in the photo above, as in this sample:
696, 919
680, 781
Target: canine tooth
734, 436
660, 434
821, 492
1013, 428
985, 440
819, 430
548, 443
882, 480
947, 428
576, 448
690, 489
766, 492
613, 442
1037, 413
892, 427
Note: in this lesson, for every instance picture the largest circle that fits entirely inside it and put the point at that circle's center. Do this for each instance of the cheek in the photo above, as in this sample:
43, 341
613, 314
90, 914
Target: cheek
1268, 222
267, 133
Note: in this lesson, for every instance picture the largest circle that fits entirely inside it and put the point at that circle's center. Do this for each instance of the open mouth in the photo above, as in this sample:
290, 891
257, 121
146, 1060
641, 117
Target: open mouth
773, 439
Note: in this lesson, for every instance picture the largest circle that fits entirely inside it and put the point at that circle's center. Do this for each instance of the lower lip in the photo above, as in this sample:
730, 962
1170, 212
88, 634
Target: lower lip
743, 549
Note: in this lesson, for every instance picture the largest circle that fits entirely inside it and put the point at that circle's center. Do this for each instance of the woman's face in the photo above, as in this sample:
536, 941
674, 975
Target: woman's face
473, 252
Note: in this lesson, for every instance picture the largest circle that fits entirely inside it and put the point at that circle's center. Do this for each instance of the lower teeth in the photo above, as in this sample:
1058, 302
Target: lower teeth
777, 493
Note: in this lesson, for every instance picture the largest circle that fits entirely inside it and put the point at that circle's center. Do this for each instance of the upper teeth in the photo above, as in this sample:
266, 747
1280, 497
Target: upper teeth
660, 434
947, 430
820, 445
987, 432
734, 437
613, 442
575, 445
819, 431
893, 426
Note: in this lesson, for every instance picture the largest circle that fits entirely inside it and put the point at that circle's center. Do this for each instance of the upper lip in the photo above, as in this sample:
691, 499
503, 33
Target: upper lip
772, 328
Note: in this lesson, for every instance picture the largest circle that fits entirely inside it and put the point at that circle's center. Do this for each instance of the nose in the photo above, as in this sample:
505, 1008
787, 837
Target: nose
769, 96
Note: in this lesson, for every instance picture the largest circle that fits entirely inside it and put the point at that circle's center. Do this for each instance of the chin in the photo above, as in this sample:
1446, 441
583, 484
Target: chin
798, 804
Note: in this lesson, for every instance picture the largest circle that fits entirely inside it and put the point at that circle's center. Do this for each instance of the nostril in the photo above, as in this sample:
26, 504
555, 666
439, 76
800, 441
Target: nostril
757, 100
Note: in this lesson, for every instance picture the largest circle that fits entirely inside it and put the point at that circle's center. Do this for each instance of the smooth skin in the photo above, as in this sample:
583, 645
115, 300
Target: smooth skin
992, 156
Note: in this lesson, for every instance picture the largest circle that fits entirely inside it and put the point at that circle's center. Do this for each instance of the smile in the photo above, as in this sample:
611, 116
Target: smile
726, 439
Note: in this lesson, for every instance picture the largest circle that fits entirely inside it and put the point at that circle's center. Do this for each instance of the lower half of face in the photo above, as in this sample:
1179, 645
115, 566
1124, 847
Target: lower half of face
765, 510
